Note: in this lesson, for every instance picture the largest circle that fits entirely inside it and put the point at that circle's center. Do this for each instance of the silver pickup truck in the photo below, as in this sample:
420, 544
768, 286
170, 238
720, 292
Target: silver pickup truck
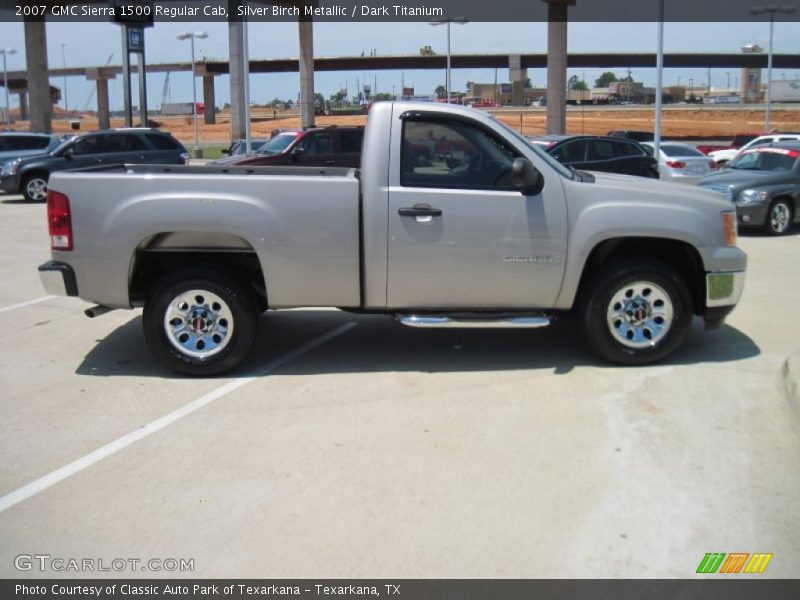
453, 220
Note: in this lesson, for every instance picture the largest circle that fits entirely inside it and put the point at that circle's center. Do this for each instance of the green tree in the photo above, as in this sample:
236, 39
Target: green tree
575, 83
605, 79
440, 91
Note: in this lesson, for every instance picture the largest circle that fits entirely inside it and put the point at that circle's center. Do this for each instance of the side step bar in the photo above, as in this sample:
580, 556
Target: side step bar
488, 322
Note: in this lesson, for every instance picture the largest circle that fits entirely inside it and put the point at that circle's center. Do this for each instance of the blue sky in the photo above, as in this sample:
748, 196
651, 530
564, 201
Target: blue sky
90, 44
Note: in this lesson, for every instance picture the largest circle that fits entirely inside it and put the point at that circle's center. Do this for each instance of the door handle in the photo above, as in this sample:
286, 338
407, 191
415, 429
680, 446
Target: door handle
330, 162
420, 210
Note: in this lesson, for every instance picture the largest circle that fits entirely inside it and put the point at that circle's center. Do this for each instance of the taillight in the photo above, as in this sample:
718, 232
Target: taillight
712, 165
676, 164
59, 221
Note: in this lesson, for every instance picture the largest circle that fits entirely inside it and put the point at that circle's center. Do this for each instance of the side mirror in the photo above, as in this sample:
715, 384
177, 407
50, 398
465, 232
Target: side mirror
69, 152
226, 151
297, 152
525, 177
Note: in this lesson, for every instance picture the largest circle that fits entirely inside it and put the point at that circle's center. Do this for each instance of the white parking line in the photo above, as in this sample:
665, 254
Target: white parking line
126, 440
29, 302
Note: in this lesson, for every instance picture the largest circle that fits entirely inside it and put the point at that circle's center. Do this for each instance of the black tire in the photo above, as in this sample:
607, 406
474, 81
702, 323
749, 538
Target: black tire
29, 194
236, 306
774, 224
609, 282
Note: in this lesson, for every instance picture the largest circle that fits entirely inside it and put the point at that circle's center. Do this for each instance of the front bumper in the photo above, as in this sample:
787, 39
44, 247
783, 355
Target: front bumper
751, 213
9, 184
58, 279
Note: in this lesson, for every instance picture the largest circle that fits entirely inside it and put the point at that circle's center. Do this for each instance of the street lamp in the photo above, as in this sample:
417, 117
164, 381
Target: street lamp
188, 35
447, 21
4, 52
728, 85
64, 65
771, 10
691, 89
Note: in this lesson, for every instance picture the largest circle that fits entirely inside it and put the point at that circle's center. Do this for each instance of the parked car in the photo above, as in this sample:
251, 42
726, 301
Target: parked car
764, 184
239, 147
29, 175
331, 146
739, 140
636, 136
495, 233
680, 163
16, 144
724, 156
595, 153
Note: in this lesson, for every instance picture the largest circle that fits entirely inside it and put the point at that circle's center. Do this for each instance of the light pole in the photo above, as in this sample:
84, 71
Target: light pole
64, 65
188, 35
447, 21
691, 89
728, 85
4, 52
771, 10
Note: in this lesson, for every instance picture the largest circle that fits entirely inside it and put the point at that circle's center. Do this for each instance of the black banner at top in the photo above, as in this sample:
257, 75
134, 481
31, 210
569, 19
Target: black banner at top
140, 11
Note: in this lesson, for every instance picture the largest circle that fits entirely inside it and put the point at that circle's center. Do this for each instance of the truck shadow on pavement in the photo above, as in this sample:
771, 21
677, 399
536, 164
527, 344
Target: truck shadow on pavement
378, 344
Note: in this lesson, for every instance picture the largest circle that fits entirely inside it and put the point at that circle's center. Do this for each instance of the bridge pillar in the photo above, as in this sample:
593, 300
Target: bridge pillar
41, 108
557, 65
101, 77
210, 114
236, 53
23, 105
307, 104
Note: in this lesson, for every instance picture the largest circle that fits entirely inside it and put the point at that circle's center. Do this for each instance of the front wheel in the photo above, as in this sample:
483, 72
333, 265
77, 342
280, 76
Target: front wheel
636, 312
200, 322
779, 217
34, 188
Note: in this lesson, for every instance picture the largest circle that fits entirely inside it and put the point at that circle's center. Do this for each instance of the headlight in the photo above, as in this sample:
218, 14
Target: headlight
10, 168
753, 196
729, 227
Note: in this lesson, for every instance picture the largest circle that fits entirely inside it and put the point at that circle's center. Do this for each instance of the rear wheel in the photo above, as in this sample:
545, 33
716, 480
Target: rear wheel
34, 187
779, 217
636, 312
200, 322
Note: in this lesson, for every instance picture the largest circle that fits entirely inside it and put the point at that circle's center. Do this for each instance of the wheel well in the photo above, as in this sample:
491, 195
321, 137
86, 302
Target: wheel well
34, 172
151, 265
681, 256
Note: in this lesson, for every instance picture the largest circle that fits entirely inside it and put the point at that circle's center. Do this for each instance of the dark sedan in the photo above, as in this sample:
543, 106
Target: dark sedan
597, 153
764, 183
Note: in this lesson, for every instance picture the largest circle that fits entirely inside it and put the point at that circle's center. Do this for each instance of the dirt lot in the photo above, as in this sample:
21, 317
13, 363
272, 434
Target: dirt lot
684, 122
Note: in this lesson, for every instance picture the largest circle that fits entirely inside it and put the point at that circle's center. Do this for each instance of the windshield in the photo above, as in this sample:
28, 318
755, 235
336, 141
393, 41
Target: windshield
562, 170
279, 143
765, 159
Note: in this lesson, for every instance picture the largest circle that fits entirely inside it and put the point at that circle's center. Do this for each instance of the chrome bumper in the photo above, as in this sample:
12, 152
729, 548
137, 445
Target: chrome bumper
724, 289
58, 279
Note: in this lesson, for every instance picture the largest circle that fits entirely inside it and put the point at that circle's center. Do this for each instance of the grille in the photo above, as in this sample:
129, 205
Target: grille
722, 189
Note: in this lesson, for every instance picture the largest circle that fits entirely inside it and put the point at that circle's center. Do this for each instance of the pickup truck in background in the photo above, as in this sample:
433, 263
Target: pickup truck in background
739, 140
453, 220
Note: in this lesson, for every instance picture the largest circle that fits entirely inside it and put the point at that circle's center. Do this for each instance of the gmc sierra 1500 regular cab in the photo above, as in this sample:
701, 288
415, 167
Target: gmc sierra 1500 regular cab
453, 220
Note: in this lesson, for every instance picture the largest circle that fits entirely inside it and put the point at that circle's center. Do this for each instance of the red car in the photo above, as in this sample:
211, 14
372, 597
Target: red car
331, 146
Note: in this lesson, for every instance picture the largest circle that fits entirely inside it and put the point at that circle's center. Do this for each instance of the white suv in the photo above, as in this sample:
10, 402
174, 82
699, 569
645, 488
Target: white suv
723, 156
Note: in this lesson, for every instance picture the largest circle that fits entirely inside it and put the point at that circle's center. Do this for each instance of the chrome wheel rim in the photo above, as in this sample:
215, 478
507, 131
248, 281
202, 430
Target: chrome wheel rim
198, 323
779, 217
36, 189
639, 314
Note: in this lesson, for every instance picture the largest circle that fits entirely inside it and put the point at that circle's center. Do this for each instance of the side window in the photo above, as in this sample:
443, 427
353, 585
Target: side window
124, 142
453, 154
164, 142
317, 144
88, 145
763, 142
350, 141
624, 149
601, 150
571, 152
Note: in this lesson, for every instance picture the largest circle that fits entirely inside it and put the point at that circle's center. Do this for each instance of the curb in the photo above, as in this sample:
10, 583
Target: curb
790, 379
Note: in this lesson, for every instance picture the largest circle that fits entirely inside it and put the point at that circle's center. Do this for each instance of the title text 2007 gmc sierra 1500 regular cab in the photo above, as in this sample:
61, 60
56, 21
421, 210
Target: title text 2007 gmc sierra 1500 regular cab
453, 220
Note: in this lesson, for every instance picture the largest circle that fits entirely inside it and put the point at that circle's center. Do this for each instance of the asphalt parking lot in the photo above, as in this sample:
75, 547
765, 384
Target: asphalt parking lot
349, 446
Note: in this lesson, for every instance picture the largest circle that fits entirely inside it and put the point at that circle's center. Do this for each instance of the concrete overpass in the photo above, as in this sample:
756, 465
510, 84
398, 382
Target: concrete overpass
210, 69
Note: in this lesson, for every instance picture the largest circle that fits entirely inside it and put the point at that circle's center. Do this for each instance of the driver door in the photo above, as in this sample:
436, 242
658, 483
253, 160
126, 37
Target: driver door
460, 235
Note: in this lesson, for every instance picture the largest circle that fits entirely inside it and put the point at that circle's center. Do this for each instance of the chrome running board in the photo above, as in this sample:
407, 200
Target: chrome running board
477, 321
